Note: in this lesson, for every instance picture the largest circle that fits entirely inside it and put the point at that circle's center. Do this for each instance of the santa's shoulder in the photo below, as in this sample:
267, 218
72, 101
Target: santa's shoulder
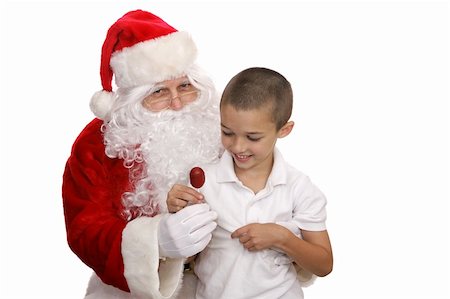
90, 138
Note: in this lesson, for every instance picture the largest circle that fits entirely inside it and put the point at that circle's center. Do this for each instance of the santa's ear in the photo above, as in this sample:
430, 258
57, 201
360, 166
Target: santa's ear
286, 129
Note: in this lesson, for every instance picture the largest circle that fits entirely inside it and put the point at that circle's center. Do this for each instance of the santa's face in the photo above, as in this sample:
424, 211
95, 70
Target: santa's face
165, 144
171, 94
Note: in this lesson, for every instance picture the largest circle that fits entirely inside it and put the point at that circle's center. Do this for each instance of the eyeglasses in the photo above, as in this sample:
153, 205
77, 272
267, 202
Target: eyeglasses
160, 101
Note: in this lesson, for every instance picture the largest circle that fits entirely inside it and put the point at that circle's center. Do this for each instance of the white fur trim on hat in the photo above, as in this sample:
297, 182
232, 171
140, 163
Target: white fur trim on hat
154, 60
148, 276
101, 103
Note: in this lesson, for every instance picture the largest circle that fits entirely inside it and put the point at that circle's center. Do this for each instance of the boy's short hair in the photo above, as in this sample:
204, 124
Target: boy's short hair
255, 87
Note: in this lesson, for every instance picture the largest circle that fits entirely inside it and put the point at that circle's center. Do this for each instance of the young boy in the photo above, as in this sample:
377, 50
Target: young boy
269, 214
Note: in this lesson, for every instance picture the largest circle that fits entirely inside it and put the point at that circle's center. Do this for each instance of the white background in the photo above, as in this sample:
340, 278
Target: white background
371, 84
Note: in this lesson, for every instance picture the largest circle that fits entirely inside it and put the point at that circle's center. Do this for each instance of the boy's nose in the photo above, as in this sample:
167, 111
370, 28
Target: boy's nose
238, 145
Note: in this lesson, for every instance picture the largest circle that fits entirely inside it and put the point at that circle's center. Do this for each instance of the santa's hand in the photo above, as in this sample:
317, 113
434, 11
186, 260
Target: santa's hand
187, 232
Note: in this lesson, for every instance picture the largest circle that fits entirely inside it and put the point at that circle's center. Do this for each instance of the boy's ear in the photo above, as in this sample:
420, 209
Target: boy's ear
286, 129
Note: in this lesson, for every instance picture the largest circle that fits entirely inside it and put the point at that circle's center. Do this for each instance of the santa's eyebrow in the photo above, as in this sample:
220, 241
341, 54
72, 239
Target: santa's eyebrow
158, 88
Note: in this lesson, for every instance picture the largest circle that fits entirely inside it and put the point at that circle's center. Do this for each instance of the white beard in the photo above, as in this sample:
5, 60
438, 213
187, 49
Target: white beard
171, 143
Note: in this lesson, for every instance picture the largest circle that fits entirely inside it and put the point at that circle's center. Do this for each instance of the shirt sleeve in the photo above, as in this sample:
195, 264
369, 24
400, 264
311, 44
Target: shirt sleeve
310, 205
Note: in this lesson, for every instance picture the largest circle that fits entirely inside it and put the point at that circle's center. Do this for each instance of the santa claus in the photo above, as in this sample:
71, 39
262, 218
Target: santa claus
161, 121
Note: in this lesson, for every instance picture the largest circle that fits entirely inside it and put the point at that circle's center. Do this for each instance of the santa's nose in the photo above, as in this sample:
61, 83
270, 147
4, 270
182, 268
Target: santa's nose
176, 104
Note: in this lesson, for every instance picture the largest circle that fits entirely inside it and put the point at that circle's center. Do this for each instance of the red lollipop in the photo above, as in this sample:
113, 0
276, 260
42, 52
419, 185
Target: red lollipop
197, 177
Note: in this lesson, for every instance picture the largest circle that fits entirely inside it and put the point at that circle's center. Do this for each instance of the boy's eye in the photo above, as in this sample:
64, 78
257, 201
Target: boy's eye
227, 133
254, 138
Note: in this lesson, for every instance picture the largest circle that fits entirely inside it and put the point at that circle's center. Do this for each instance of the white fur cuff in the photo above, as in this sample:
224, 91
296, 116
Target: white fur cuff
148, 276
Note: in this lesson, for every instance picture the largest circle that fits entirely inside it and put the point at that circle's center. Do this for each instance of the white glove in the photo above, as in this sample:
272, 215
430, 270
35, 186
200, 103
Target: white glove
186, 232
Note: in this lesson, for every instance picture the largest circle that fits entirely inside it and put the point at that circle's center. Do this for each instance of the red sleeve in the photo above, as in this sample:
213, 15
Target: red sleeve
91, 191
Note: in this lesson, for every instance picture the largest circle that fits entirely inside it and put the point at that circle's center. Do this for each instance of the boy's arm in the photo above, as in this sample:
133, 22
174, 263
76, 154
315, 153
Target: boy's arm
312, 253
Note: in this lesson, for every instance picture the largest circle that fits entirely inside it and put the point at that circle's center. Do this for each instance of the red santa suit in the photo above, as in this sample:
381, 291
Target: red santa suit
139, 49
123, 254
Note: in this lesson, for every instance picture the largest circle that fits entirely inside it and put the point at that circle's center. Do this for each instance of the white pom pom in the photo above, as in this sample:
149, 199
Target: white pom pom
101, 103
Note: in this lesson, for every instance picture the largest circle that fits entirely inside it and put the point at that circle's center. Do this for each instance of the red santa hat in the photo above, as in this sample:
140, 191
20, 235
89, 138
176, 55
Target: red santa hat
140, 48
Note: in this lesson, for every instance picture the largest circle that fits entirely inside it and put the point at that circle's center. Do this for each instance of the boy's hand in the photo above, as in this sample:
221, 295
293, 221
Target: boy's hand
180, 196
259, 236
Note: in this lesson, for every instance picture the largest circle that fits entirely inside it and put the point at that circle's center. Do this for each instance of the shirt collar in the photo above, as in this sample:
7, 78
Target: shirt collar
225, 171
278, 176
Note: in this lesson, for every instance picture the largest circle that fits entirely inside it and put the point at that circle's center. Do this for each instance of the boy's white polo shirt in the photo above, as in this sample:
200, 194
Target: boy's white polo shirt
225, 268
